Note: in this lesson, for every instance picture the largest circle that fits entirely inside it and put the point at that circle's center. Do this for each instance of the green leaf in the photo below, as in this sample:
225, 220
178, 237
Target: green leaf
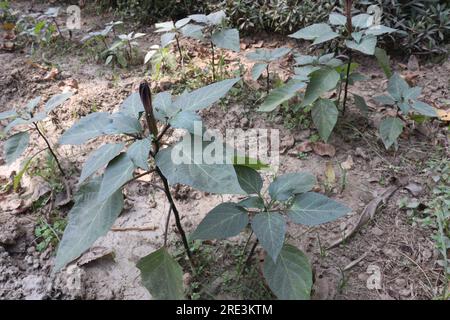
100, 158
290, 278
324, 115
117, 173
302, 60
378, 30
16, 122
257, 70
193, 31
183, 163
279, 95
86, 128
216, 18
32, 104
383, 61
167, 38
249, 162
57, 100
89, 220
132, 105
204, 97
163, 107
224, 221
424, 109
185, 120
162, 275
123, 123
361, 104
252, 202
249, 179
313, 208
322, 80
412, 93
397, 87
18, 177
287, 185
362, 21
227, 39
266, 55
390, 129
15, 146
8, 114
321, 31
385, 100
164, 26
337, 19
139, 152
366, 46
270, 229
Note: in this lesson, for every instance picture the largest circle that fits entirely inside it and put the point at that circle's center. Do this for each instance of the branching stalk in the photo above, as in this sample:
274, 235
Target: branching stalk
50, 148
179, 51
213, 62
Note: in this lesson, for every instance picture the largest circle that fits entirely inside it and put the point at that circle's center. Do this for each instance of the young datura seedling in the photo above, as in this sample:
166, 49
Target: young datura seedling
17, 143
99, 200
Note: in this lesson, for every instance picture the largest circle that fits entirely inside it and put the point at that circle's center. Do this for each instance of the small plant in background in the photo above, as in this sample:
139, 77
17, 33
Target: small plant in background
49, 233
102, 35
17, 143
160, 60
122, 49
264, 57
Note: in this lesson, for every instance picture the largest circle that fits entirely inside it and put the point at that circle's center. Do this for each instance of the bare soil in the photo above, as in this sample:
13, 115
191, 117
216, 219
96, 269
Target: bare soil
392, 242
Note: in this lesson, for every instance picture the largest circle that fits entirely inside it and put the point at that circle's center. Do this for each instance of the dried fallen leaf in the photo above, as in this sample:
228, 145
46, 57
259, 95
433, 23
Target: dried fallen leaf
51, 75
374, 280
444, 115
95, 253
348, 164
414, 188
413, 63
330, 175
323, 149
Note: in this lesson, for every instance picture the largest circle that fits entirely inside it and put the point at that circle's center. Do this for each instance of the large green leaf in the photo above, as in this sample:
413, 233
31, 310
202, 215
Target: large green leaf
57, 100
100, 158
163, 107
287, 185
319, 32
290, 278
186, 120
366, 45
204, 97
86, 128
281, 94
227, 39
337, 19
383, 61
266, 55
162, 275
184, 163
32, 104
16, 122
132, 105
193, 31
15, 146
252, 202
270, 229
249, 179
224, 221
257, 70
123, 123
138, 152
216, 18
385, 100
397, 87
362, 21
117, 173
361, 104
313, 208
324, 115
390, 129
424, 109
378, 30
89, 220
322, 80
8, 114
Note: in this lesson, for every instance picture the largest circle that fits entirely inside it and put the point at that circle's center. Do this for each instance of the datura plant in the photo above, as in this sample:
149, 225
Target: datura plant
27, 117
143, 121
317, 76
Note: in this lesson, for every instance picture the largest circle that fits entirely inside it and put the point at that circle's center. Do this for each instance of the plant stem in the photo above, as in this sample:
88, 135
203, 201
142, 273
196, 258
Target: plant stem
346, 82
130, 54
250, 255
50, 148
166, 229
179, 51
268, 79
213, 62
57, 28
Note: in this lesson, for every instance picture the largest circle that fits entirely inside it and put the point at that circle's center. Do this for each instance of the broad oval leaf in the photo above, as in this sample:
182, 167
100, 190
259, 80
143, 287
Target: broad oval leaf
337, 19
100, 158
183, 163
290, 278
313, 208
252, 202
279, 95
167, 38
258, 69
266, 55
227, 39
139, 152
322, 80
366, 45
249, 179
8, 114
57, 100
361, 104
161, 275
385, 99
86, 128
16, 122
32, 104
362, 21
15, 146
270, 229
117, 173
324, 115
397, 87
163, 107
287, 185
424, 109
204, 97
123, 123
383, 61
390, 129
186, 120
89, 220
378, 30
313, 31
132, 105
224, 221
